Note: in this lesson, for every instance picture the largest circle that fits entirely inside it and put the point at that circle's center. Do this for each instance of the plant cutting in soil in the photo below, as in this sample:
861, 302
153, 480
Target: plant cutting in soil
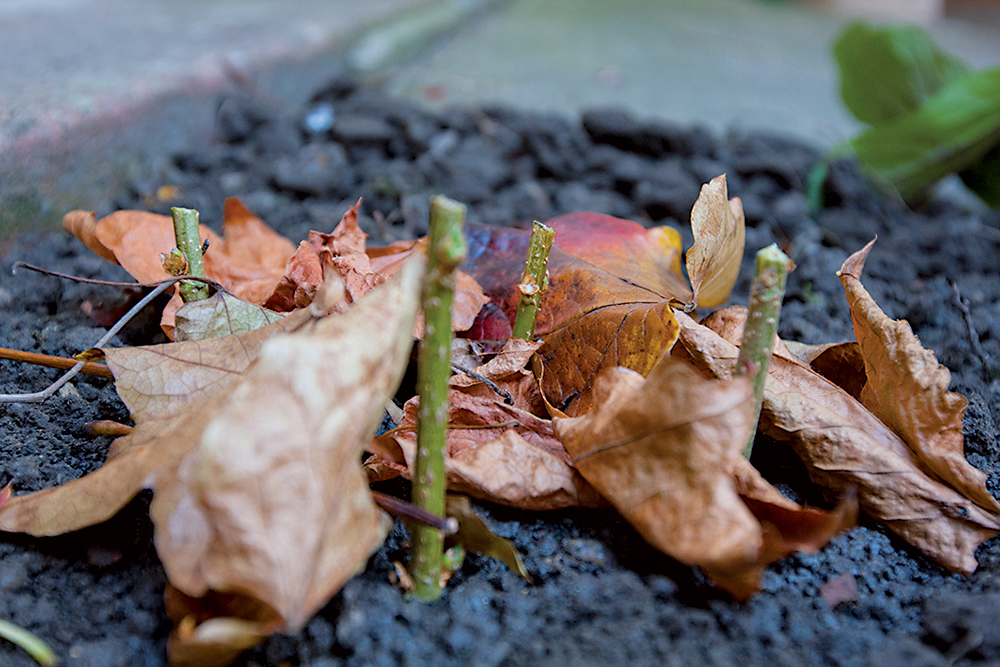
583, 561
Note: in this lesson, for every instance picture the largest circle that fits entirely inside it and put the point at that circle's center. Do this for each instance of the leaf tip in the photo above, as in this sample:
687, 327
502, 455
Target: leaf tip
855, 264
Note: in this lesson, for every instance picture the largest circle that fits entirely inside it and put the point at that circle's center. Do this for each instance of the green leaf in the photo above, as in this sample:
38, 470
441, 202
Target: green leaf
221, 314
951, 132
886, 73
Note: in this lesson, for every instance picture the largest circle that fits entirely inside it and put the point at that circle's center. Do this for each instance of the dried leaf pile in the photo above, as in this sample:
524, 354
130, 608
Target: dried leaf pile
250, 427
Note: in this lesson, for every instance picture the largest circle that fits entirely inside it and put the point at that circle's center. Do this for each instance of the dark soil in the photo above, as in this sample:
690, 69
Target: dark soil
602, 596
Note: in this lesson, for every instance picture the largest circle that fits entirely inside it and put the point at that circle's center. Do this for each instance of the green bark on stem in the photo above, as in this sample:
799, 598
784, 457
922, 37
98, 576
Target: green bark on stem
533, 281
762, 324
447, 251
188, 240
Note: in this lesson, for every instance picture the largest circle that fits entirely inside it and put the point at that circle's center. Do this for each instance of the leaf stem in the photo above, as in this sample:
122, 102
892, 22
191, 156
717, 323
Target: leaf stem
762, 324
533, 281
29, 642
188, 238
448, 249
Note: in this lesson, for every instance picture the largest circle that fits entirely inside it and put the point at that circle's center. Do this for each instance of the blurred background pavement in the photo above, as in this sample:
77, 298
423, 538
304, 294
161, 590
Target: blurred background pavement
94, 93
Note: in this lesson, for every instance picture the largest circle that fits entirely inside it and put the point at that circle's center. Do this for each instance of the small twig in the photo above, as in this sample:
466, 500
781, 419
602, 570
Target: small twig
40, 396
108, 428
977, 347
507, 398
404, 510
49, 361
513, 423
447, 249
188, 237
533, 281
762, 324
111, 283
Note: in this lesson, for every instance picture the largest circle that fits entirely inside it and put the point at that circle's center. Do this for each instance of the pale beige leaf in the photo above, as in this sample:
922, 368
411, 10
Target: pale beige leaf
221, 314
272, 502
713, 261
156, 381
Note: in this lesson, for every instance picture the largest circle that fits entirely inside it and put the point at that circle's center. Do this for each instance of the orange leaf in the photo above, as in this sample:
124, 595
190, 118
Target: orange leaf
248, 259
82, 225
609, 307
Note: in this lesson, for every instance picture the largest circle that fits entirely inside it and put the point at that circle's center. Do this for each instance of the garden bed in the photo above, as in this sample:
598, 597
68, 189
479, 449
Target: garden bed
601, 595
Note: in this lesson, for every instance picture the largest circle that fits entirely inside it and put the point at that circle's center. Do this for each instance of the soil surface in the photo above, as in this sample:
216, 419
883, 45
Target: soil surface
601, 596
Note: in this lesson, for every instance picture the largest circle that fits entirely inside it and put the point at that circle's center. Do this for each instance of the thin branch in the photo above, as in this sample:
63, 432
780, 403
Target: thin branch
977, 347
111, 283
766, 294
507, 398
405, 510
49, 361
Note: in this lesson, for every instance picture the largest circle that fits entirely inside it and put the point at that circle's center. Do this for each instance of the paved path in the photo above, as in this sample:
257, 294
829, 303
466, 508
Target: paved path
724, 63
94, 92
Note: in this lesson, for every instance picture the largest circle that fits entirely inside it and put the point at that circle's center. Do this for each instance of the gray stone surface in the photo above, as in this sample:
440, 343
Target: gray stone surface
93, 92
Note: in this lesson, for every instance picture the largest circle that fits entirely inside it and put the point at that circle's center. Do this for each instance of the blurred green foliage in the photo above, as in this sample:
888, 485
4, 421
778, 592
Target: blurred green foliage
929, 114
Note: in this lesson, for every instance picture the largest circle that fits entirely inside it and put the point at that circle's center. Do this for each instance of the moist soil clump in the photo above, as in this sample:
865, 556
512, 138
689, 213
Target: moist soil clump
600, 595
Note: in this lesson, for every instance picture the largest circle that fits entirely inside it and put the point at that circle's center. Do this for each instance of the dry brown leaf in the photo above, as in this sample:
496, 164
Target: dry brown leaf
713, 261
666, 451
907, 389
508, 371
661, 450
475, 536
469, 296
342, 249
611, 306
494, 451
257, 489
845, 446
156, 381
213, 630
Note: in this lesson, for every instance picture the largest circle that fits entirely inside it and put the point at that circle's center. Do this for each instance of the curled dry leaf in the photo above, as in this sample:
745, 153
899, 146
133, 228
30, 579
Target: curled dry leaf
494, 452
257, 488
660, 449
342, 249
845, 446
666, 451
713, 262
908, 389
